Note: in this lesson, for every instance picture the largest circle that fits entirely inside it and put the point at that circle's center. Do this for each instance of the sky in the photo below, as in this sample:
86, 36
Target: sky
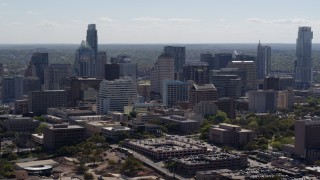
157, 21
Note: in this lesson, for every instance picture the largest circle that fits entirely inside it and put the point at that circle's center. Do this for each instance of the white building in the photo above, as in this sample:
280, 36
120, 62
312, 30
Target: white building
114, 95
174, 92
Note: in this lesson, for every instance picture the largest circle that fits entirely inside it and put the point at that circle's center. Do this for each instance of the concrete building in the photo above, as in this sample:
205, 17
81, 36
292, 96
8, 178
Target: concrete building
306, 144
163, 69
205, 108
261, 101
227, 85
227, 105
184, 125
208, 58
100, 64
174, 92
21, 106
161, 148
144, 89
204, 162
231, 135
196, 71
54, 73
221, 60
263, 61
241, 73
278, 82
250, 68
12, 89
60, 135
40, 101
81, 89
39, 62
202, 92
285, 100
303, 66
95, 127
65, 113
116, 133
179, 56
114, 95
31, 84
21, 124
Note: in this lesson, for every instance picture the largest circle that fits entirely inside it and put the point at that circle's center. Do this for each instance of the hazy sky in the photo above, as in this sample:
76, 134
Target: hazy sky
157, 21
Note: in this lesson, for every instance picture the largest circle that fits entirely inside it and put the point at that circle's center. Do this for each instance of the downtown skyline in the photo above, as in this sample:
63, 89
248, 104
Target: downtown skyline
124, 21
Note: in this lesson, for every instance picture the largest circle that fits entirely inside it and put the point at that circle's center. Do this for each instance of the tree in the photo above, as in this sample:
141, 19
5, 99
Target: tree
81, 169
12, 157
130, 166
40, 128
88, 176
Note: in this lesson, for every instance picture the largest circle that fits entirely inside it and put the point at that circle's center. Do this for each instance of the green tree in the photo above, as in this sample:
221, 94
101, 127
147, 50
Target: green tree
130, 166
88, 176
40, 128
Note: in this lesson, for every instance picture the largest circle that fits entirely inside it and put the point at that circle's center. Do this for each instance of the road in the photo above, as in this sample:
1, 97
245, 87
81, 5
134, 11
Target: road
158, 166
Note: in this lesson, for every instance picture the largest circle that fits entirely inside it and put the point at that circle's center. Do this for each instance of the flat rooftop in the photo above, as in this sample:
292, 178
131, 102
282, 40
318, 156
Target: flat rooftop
206, 158
37, 163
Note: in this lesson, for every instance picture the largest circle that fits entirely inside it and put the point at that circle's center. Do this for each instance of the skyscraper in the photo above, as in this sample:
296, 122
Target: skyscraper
84, 61
179, 56
163, 69
12, 88
263, 62
39, 61
197, 71
303, 65
92, 39
251, 72
54, 73
174, 92
100, 64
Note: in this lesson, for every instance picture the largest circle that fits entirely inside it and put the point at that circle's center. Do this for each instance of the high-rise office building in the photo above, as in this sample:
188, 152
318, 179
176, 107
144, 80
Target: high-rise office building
227, 105
40, 101
303, 67
251, 72
208, 58
112, 71
84, 63
163, 69
100, 64
12, 88
197, 71
54, 73
263, 62
179, 56
174, 92
92, 39
221, 60
227, 85
262, 101
114, 95
39, 61
202, 92
278, 82
31, 84
306, 143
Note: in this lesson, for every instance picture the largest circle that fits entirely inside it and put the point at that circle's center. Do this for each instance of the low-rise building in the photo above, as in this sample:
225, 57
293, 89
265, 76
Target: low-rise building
21, 106
232, 135
37, 138
65, 113
60, 135
95, 127
184, 124
20, 124
116, 133
204, 162
162, 148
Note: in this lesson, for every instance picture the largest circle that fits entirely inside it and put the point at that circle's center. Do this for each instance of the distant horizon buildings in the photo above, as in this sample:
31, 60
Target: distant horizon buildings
303, 66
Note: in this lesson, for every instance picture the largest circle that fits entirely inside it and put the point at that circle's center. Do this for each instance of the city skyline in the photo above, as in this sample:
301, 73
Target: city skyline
41, 22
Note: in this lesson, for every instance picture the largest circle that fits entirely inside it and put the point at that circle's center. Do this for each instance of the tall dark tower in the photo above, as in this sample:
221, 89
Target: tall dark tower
179, 56
92, 39
37, 65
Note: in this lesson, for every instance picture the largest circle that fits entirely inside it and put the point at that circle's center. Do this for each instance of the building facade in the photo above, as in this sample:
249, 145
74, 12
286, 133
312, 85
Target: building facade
54, 73
196, 71
174, 92
202, 92
263, 61
303, 67
179, 56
